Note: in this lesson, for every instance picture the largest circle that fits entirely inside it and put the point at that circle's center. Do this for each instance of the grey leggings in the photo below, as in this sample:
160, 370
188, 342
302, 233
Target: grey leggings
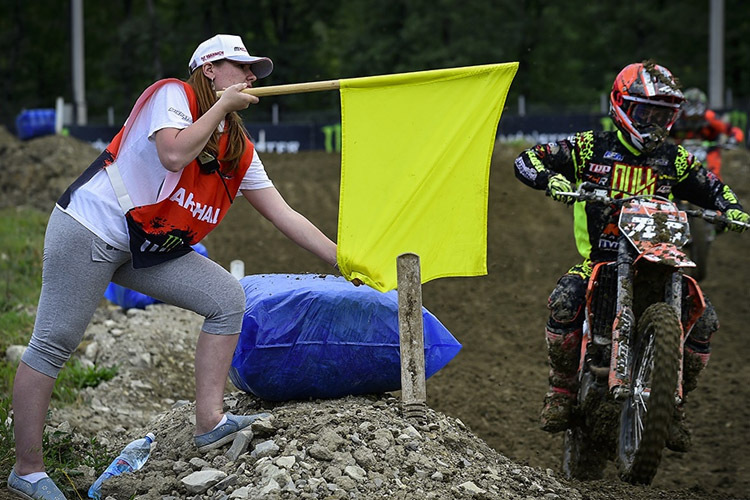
77, 268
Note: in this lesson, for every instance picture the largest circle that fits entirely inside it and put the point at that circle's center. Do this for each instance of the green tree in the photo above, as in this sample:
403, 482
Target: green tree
569, 52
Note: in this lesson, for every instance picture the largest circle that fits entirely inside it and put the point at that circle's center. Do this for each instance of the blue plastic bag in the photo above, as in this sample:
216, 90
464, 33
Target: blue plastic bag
313, 336
129, 299
32, 123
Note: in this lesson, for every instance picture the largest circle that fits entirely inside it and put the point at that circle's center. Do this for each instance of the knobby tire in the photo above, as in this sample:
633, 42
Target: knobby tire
655, 364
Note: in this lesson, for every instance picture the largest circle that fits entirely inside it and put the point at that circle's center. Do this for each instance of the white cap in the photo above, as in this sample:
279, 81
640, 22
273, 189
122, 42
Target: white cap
229, 47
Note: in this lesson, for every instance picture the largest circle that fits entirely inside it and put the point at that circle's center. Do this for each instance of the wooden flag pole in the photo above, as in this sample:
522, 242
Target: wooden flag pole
411, 336
292, 88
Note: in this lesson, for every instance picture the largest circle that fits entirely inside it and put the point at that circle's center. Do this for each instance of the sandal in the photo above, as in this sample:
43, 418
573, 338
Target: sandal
44, 489
227, 431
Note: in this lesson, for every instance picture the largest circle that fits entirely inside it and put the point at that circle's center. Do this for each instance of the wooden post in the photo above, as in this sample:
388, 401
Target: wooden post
411, 336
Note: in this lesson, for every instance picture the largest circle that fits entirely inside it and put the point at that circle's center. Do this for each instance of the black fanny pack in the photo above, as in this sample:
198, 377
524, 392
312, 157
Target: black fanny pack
151, 249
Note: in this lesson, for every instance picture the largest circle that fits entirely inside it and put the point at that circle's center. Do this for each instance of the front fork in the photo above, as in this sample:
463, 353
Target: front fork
623, 326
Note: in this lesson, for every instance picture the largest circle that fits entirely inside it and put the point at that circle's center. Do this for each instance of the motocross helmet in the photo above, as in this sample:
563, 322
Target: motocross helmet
695, 103
644, 104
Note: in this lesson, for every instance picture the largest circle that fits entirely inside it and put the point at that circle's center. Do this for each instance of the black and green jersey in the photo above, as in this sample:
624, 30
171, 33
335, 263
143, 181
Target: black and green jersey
606, 159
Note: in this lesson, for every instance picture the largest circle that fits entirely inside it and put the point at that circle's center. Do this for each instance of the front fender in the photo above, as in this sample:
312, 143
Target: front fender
665, 253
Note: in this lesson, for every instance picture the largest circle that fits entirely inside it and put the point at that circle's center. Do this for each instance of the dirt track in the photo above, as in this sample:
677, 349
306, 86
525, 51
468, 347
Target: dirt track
496, 383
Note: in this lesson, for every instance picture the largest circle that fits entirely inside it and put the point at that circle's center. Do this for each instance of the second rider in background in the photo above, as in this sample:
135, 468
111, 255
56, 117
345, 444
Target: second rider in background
699, 125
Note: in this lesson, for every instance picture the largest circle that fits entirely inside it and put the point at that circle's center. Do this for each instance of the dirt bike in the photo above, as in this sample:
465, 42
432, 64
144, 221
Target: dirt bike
640, 308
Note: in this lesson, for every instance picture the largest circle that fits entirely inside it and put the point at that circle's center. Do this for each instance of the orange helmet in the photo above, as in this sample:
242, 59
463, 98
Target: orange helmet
644, 104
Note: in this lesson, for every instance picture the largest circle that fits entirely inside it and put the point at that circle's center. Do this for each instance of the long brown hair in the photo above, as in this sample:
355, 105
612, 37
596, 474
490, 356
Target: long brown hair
233, 126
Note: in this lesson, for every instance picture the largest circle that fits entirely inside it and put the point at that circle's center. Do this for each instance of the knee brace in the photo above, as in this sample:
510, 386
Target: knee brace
704, 329
567, 300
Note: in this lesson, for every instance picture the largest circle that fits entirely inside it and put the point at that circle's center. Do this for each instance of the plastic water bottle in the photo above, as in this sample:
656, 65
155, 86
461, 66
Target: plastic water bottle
132, 458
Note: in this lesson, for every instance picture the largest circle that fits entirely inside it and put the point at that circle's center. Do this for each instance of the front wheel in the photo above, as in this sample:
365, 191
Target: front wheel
647, 412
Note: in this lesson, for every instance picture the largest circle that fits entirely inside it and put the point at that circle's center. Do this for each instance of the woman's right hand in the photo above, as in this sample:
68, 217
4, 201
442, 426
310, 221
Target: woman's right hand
233, 99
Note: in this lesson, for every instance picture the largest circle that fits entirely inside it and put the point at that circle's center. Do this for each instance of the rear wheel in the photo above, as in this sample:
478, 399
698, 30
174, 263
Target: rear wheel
647, 413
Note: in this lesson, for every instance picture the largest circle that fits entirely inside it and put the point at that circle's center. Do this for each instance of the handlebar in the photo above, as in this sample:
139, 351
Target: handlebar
715, 217
588, 191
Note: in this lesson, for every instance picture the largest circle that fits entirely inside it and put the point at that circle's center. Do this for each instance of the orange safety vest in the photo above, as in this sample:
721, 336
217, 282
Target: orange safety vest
165, 230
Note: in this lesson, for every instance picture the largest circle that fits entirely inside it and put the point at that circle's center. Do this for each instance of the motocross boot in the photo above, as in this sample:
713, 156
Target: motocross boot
679, 438
564, 351
557, 410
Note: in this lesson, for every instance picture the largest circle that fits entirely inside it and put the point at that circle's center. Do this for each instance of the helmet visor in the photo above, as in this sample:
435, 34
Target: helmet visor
644, 114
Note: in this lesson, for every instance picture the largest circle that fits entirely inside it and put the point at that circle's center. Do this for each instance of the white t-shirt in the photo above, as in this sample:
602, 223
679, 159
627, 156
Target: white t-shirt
95, 204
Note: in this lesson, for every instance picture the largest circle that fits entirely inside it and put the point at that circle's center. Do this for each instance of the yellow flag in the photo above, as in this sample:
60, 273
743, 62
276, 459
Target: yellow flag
415, 165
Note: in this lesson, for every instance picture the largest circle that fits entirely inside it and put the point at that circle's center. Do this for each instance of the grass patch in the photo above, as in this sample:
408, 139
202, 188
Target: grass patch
76, 376
22, 232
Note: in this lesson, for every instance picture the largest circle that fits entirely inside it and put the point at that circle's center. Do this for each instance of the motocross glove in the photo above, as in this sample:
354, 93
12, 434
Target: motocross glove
736, 215
558, 184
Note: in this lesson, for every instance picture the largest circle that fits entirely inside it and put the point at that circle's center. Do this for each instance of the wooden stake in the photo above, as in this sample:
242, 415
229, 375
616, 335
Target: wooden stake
293, 88
411, 336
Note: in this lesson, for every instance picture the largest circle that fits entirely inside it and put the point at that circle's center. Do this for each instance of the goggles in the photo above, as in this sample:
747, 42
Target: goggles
643, 113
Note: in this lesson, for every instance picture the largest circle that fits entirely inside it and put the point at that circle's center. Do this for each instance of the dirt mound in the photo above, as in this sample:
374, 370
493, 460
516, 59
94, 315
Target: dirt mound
356, 447
36, 172
494, 385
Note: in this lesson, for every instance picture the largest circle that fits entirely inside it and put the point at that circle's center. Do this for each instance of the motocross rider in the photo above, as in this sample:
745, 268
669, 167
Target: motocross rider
697, 122
644, 103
